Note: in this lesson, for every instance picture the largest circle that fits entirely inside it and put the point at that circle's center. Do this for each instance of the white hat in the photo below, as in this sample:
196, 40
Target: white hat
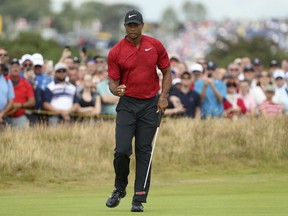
278, 73
26, 57
196, 67
37, 59
176, 81
60, 66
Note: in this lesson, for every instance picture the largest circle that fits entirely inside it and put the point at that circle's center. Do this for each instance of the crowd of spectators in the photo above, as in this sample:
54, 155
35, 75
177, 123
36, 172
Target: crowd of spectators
33, 91
244, 89
195, 39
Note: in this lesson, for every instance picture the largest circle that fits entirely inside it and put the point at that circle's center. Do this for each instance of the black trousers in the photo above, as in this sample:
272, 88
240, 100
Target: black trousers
135, 118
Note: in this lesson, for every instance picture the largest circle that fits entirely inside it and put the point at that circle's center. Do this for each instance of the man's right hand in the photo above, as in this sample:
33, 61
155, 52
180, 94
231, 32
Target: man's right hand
121, 90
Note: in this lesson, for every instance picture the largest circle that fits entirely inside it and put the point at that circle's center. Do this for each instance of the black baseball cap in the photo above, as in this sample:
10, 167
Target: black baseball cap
273, 63
248, 68
211, 65
133, 16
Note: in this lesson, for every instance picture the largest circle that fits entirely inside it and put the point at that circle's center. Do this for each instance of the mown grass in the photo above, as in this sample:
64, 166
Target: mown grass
84, 152
249, 195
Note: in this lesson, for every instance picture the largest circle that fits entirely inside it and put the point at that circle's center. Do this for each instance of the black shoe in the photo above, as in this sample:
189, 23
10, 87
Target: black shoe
115, 198
137, 207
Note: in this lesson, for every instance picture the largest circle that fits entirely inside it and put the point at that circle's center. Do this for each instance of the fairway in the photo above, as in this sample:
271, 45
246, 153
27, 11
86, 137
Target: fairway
249, 195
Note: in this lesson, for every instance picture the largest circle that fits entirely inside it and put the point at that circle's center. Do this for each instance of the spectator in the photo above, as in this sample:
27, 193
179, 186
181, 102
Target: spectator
258, 93
212, 92
234, 106
284, 65
249, 101
281, 91
60, 97
273, 66
89, 100
4, 56
109, 101
249, 75
268, 108
197, 71
4, 60
41, 79
101, 67
188, 98
257, 66
72, 74
82, 71
220, 73
24, 97
27, 67
6, 95
234, 71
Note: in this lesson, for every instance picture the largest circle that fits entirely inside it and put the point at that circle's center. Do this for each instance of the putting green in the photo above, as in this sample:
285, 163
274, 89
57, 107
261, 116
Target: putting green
249, 195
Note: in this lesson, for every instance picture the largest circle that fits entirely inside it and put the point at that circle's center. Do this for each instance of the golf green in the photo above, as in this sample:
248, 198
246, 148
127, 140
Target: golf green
249, 195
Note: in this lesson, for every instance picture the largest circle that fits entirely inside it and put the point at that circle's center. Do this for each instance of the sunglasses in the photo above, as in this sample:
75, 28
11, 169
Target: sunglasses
3, 54
61, 71
38, 66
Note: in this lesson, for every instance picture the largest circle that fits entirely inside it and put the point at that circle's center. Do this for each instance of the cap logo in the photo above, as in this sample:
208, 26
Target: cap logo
130, 16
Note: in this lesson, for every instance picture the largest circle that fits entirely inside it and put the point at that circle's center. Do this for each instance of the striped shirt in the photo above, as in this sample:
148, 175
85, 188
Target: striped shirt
61, 95
271, 108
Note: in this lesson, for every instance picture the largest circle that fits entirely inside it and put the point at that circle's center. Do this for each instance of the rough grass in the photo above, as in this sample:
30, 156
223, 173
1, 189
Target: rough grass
84, 152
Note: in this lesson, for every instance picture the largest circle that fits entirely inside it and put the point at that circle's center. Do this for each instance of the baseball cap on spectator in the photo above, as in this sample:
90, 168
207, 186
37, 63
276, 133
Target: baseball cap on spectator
270, 88
256, 62
37, 59
279, 74
26, 57
176, 81
76, 59
196, 67
133, 16
227, 76
231, 83
60, 66
211, 65
237, 61
248, 68
14, 61
273, 63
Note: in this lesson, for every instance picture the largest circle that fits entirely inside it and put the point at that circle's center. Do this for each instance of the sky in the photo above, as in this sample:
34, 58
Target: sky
152, 10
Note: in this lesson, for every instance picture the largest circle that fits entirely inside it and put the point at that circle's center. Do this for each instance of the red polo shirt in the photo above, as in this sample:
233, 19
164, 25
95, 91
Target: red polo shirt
23, 90
136, 67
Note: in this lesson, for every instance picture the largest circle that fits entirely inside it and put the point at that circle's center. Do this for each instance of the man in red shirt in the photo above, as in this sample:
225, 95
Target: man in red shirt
24, 96
132, 64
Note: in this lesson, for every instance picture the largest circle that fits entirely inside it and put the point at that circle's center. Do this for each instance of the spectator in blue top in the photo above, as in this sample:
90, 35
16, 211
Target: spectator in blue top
212, 92
6, 95
41, 79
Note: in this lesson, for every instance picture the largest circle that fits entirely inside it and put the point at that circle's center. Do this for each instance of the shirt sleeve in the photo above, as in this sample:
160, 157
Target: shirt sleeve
76, 98
113, 66
30, 92
198, 86
163, 58
11, 93
47, 95
222, 89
